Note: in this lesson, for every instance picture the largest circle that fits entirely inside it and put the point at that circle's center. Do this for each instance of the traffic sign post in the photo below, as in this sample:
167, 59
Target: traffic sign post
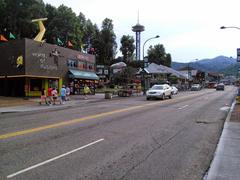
238, 54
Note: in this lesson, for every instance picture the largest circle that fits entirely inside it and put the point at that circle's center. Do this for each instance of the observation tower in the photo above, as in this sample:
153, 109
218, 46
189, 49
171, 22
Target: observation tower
138, 28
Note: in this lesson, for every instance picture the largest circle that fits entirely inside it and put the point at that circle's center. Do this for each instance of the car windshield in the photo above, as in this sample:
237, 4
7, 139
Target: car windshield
157, 87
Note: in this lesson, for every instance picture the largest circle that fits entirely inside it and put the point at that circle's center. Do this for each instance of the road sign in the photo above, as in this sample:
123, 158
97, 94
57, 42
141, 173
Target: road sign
147, 75
238, 54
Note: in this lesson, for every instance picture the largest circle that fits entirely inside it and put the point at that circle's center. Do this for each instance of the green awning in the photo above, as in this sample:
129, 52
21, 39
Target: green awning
82, 74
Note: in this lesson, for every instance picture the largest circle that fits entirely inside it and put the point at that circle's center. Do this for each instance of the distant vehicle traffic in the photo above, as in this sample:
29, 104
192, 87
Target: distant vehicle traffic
212, 85
195, 87
220, 87
159, 92
174, 90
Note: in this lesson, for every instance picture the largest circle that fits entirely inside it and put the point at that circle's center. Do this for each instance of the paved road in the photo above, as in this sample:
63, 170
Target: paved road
128, 138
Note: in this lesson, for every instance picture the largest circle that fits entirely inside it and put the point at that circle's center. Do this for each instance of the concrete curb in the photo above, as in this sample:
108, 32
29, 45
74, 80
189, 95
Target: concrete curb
206, 176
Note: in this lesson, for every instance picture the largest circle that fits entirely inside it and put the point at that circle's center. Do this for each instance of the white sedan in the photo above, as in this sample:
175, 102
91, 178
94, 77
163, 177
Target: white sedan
159, 91
174, 90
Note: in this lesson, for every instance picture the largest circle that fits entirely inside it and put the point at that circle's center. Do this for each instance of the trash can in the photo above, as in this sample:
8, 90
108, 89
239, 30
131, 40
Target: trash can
108, 95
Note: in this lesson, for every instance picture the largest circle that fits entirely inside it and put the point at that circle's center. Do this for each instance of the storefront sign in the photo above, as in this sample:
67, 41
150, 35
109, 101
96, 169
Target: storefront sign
87, 58
41, 57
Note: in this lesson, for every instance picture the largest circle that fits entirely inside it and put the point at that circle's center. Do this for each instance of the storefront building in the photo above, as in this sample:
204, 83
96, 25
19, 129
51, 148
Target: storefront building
28, 66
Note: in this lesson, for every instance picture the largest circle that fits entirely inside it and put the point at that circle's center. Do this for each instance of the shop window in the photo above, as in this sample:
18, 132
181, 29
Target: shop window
81, 65
71, 63
90, 66
35, 85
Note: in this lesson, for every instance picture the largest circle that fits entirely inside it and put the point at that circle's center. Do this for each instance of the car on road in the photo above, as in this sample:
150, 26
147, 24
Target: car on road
174, 90
196, 87
220, 87
159, 91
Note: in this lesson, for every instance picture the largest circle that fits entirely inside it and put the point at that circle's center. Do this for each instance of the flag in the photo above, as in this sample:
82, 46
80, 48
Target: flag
69, 44
59, 42
11, 36
2, 38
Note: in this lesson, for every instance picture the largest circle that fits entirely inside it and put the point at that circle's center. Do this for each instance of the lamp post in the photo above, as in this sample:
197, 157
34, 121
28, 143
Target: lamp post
234, 27
238, 28
145, 64
157, 36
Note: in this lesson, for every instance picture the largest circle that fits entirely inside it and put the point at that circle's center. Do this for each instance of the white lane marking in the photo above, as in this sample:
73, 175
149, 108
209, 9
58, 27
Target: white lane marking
53, 159
183, 107
224, 108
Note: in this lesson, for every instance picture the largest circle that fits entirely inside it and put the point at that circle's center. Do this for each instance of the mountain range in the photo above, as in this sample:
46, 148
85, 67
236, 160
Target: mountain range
219, 64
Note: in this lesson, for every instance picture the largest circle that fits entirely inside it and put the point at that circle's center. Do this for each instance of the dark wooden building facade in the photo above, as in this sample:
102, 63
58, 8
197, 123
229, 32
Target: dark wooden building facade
28, 66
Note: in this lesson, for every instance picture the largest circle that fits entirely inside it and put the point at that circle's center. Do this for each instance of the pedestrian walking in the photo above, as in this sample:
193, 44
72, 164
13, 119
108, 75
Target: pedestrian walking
86, 90
68, 93
43, 97
54, 95
49, 95
63, 94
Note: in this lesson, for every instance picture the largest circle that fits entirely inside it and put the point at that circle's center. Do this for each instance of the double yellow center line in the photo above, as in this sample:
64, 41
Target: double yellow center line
65, 123
74, 121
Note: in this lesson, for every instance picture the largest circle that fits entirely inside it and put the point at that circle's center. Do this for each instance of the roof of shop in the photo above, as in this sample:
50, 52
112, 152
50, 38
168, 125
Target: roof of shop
160, 69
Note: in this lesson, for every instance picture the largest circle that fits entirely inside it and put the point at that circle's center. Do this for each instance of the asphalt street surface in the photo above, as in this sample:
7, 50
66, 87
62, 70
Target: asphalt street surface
122, 138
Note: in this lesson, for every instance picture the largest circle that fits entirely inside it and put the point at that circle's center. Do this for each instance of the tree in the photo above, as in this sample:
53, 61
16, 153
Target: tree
2, 14
65, 26
18, 15
158, 55
51, 14
124, 77
127, 48
105, 43
90, 32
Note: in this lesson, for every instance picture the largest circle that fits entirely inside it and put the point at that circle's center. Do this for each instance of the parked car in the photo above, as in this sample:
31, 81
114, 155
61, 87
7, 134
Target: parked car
174, 90
159, 92
220, 86
195, 87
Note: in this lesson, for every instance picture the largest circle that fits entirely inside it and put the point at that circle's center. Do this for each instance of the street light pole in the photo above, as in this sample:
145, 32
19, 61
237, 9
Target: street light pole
146, 62
157, 36
238, 28
234, 27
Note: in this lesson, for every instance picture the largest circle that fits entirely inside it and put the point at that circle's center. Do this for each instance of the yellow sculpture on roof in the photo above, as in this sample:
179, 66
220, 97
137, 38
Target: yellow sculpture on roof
41, 29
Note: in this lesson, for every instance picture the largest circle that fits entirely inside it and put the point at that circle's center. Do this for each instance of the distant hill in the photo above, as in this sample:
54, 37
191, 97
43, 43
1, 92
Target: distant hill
232, 70
217, 64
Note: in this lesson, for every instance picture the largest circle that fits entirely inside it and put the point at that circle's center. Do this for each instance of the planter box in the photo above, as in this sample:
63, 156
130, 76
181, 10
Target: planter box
108, 95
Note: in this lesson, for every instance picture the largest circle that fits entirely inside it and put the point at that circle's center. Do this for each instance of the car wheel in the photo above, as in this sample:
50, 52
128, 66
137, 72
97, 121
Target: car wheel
170, 96
163, 96
147, 98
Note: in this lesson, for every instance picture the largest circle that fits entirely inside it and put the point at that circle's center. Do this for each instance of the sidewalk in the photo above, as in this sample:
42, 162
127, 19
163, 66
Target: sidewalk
226, 162
11, 104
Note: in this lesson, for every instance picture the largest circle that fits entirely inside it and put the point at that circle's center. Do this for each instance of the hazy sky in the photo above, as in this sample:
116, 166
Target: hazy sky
188, 29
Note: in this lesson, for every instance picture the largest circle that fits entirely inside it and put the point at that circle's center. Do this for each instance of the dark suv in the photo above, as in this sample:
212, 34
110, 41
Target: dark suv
220, 87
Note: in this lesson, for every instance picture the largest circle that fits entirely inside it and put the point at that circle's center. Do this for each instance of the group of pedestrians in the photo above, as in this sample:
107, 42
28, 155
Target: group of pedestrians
51, 96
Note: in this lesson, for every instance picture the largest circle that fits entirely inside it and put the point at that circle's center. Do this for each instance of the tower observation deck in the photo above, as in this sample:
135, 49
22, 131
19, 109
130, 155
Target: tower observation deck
138, 29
